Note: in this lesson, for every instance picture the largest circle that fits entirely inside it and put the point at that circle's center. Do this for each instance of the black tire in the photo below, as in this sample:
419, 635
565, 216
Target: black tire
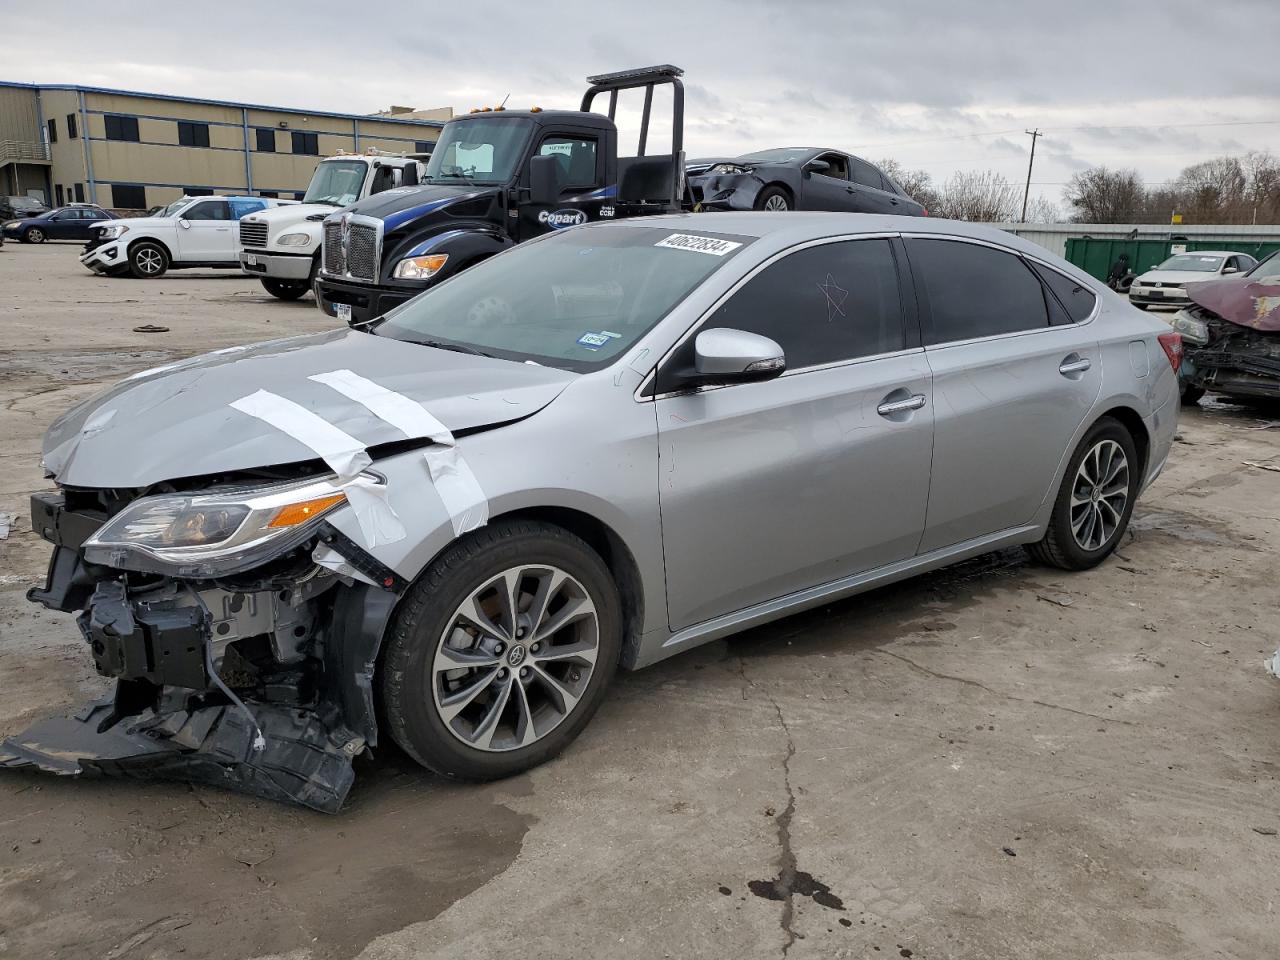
33, 235
1059, 547
777, 196
285, 289
148, 260
1191, 394
418, 631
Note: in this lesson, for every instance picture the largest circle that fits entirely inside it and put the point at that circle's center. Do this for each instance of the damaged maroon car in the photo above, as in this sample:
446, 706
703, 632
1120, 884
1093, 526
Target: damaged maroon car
1231, 335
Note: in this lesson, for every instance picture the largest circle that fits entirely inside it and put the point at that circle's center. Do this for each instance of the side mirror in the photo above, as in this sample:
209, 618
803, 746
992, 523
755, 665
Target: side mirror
817, 166
1229, 270
409, 176
723, 355
184, 223
544, 180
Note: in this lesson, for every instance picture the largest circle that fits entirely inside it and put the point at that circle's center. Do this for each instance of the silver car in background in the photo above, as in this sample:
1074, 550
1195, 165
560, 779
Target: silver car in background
600, 449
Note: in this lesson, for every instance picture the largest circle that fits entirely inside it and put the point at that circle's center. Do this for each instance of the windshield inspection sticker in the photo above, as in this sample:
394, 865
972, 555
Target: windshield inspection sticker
688, 241
594, 341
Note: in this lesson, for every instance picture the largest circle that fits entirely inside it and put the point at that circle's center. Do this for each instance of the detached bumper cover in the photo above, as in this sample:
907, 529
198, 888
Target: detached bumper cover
104, 257
306, 760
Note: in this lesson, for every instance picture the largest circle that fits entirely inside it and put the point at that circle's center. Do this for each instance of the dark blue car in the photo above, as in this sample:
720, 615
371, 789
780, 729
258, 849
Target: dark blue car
63, 223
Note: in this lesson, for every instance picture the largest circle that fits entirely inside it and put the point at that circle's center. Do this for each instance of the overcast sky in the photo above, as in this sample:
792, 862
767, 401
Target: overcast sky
941, 84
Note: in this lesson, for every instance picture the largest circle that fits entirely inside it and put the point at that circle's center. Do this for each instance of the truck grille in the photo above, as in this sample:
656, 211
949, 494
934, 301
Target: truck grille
359, 261
253, 234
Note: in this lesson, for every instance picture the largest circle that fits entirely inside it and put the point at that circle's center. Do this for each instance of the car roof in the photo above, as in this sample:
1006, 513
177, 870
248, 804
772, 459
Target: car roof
1211, 253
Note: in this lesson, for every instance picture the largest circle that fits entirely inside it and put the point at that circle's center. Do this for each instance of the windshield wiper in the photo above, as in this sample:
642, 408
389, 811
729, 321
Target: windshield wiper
455, 347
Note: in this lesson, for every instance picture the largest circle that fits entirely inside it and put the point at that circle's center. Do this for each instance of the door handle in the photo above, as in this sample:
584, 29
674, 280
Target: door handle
890, 407
1078, 365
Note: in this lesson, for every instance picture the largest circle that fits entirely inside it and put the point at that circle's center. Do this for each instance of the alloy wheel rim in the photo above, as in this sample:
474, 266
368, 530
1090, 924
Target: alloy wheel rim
36, 235
776, 203
149, 261
1099, 495
516, 658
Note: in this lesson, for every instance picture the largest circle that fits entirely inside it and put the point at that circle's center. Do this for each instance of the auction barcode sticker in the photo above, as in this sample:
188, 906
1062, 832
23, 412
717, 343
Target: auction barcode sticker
688, 241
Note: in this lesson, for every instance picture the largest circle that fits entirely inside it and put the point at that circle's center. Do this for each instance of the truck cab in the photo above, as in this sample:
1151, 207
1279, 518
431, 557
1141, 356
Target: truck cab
496, 178
281, 246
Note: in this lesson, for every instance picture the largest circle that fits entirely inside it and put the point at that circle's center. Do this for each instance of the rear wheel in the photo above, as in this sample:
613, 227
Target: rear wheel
148, 260
33, 235
285, 289
501, 652
774, 199
1095, 501
1191, 394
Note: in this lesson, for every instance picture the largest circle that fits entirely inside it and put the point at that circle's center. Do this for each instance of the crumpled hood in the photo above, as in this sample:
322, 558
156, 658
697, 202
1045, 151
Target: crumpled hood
176, 421
1240, 300
1180, 277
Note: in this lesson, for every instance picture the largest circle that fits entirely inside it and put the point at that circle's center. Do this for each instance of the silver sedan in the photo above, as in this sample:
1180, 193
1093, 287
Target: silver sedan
599, 449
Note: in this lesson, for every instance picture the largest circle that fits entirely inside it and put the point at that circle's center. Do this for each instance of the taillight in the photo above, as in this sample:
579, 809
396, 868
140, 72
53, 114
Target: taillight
926, 211
1172, 345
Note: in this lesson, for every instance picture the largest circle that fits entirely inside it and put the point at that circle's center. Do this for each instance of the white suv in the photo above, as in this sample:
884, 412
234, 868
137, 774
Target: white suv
282, 247
191, 232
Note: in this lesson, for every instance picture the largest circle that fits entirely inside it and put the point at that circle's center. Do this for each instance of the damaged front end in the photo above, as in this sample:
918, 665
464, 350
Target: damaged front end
1231, 337
240, 627
726, 186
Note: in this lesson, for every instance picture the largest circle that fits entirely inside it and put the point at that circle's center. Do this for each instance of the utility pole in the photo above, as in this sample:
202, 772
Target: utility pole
1026, 194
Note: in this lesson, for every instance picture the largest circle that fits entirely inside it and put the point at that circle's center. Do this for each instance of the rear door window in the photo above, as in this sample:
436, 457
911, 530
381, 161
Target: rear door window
1077, 299
824, 304
865, 174
975, 291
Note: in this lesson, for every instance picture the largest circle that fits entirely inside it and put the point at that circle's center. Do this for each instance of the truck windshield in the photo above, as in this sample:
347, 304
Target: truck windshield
483, 150
576, 300
336, 182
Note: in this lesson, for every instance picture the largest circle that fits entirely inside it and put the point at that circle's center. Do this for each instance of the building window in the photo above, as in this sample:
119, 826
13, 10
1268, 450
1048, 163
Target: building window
193, 134
423, 146
306, 143
197, 191
71, 126
268, 193
53, 130
121, 128
127, 196
79, 193
57, 193
266, 140
298, 196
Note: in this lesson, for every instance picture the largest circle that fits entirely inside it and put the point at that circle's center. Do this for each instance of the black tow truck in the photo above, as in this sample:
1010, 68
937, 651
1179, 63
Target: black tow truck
498, 177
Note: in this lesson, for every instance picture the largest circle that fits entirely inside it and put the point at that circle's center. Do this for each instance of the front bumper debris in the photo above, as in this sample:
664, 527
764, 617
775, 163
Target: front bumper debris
300, 650
104, 257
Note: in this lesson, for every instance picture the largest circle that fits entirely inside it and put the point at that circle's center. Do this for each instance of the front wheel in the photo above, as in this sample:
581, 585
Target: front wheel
774, 199
1191, 394
1095, 501
501, 652
148, 261
33, 235
285, 289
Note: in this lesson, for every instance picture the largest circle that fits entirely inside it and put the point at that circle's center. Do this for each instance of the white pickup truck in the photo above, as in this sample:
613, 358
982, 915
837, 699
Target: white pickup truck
190, 232
281, 247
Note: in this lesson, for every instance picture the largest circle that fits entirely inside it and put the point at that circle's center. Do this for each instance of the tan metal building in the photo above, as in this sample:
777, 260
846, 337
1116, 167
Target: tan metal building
132, 151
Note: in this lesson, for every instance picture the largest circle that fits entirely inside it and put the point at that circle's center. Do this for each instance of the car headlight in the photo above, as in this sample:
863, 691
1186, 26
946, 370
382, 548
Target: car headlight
294, 240
729, 168
1194, 332
213, 534
113, 231
420, 268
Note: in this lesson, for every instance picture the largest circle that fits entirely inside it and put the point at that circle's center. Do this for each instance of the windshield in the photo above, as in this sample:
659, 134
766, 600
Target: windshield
173, 208
336, 182
1268, 269
1192, 262
781, 155
25, 203
483, 150
575, 300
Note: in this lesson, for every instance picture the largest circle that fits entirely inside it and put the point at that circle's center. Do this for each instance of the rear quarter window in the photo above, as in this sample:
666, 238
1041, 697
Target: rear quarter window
1077, 299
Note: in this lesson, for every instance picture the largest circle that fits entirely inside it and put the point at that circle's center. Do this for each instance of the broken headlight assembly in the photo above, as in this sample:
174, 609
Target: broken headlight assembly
113, 231
206, 535
729, 168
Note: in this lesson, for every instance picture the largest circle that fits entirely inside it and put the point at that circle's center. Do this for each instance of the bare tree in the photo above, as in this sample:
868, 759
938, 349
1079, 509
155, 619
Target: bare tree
984, 197
917, 183
1040, 210
1099, 195
1213, 191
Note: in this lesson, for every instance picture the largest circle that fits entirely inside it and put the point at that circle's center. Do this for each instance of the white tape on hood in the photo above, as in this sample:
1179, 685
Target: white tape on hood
454, 480
344, 454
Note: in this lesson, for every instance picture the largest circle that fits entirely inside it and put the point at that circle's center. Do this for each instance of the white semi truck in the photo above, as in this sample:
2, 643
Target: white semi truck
281, 246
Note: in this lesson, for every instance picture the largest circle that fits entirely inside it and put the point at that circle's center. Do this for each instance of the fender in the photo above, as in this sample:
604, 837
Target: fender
464, 245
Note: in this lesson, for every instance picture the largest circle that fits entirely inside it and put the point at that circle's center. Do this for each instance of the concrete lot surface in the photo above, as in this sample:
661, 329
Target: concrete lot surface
996, 761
